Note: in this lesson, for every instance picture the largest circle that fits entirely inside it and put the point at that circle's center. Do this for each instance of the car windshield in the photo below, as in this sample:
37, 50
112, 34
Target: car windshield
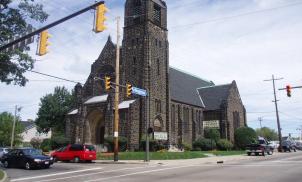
32, 152
90, 147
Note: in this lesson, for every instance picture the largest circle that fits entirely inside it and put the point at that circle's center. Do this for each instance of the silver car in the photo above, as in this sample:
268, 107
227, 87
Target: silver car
3, 151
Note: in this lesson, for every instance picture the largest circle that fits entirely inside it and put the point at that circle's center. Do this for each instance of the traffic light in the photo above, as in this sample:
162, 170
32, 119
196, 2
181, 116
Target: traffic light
289, 90
100, 18
43, 43
129, 90
107, 83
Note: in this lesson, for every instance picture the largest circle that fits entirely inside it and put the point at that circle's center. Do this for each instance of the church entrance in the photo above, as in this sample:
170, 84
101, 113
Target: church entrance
95, 128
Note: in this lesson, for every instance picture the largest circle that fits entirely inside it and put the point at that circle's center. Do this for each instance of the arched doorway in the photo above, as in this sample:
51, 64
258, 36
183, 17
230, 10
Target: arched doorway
95, 127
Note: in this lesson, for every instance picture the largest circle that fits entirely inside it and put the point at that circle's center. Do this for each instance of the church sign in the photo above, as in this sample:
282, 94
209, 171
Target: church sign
211, 124
160, 135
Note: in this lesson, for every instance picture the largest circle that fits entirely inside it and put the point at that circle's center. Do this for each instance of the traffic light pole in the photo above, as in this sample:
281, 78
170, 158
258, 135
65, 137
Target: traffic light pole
117, 81
36, 32
277, 112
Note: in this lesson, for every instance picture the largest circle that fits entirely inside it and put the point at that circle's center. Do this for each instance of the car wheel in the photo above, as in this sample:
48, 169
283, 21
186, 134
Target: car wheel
295, 150
6, 164
76, 160
27, 166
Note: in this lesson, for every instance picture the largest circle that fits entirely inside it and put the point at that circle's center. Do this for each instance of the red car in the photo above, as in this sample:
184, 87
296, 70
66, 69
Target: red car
75, 152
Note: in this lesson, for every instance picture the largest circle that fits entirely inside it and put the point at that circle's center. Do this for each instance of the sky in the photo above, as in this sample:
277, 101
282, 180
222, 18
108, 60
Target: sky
243, 40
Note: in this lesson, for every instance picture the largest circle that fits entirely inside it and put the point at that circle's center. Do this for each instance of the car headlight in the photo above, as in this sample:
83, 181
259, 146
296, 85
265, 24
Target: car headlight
51, 158
37, 160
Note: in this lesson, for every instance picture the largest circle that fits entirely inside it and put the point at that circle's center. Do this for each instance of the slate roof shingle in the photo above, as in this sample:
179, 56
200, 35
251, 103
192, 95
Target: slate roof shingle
213, 96
183, 87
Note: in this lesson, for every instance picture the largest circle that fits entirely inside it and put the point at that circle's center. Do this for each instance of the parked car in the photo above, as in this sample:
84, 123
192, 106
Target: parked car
299, 145
261, 147
3, 151
75, 153
27, 158
288, 146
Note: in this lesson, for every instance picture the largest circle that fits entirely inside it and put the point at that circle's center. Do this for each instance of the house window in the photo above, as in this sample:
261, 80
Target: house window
157, 14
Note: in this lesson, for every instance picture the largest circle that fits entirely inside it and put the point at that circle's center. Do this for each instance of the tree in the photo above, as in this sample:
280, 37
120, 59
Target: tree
212, 134
14, 20
6, 125
268, 133
53, 109
244, 136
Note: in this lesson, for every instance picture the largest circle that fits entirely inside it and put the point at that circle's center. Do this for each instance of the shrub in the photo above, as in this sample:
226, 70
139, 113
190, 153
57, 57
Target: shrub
59, 141
46, 145
212, 134
224, 144
204, 144
187, 147
36, 142
122, 141
244, 136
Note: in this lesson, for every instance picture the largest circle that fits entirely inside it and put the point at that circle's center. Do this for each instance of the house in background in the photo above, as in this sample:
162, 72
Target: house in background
30, 131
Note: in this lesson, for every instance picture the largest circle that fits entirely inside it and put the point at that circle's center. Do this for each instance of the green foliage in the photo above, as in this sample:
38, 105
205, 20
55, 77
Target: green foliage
46, 145
59, 141
36, 142
122, 141
212, 134
244, 136
154, 145
187, 147
6, 126
15, 20
53, 109
204, 144
224, 144
268, 133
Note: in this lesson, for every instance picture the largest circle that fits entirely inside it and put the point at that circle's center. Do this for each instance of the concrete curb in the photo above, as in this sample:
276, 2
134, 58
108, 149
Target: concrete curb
5, 178
120, 162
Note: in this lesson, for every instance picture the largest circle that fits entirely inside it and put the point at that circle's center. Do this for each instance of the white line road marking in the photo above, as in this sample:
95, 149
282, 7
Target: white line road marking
56, 174
90, 174
178, 167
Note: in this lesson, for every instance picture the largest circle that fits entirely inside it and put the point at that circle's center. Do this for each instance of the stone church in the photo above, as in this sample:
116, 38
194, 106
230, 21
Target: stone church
177, 101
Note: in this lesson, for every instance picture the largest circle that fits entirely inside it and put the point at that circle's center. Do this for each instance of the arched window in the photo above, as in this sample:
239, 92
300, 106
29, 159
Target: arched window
158, 67
157, 125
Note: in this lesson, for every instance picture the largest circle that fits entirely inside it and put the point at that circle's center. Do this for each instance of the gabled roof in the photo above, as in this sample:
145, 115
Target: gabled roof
161, 3
183, 87
213, 96
27, 125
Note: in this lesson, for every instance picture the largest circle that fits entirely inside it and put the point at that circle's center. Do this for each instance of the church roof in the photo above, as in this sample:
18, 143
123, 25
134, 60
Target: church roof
161, 3
213, 96
183, 87
97, 99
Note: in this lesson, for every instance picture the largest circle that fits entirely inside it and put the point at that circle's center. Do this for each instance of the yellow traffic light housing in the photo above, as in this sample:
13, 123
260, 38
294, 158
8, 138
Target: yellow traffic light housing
129, 90
100, 18
107, 83
43, 43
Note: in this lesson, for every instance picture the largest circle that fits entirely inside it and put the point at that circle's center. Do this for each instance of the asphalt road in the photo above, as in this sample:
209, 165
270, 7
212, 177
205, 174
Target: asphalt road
284, 167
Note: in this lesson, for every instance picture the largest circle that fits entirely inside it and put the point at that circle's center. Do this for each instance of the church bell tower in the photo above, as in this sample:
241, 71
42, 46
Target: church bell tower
145, 59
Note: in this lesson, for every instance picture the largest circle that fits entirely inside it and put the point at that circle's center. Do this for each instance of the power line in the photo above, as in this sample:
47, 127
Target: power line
236, 16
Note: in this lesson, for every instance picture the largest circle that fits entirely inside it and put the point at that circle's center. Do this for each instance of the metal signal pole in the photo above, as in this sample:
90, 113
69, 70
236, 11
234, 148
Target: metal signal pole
277, 112
116, 100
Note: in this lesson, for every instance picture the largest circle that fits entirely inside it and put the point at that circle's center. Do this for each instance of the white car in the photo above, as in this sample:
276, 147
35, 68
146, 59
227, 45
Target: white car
3, 151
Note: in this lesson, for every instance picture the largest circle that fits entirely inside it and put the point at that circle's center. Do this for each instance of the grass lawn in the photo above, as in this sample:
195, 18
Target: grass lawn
1, 174
165, 155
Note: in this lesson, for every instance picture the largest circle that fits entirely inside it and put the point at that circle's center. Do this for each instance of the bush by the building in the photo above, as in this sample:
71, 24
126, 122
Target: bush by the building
122, 141
244, 136
204, 144
224, 144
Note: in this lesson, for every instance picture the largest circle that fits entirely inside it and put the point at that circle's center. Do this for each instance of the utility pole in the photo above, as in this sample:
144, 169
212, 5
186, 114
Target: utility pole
13, 129
277, 112
260, 121
117, 81
300, 129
